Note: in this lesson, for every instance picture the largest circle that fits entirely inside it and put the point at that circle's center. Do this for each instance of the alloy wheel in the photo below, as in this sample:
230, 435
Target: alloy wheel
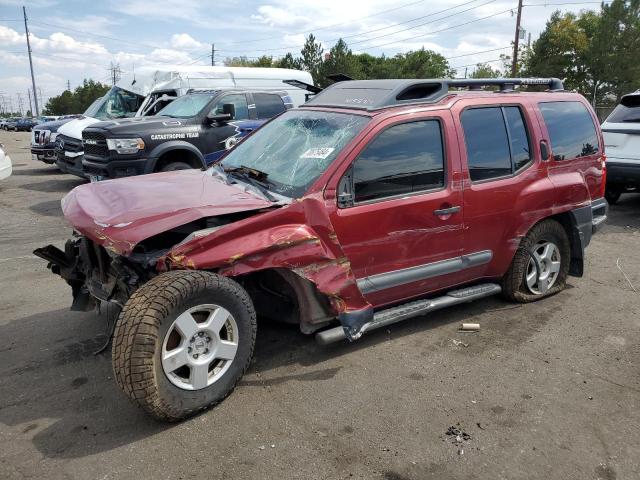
543, 268
199, 347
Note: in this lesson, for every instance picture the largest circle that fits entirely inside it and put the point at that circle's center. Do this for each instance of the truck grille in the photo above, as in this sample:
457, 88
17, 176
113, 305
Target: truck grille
68, 144
95, 145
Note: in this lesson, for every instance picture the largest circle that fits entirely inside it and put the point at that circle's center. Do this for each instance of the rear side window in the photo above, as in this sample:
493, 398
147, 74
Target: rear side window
404, 158
571, 129
627, 111
496, 140
268, 105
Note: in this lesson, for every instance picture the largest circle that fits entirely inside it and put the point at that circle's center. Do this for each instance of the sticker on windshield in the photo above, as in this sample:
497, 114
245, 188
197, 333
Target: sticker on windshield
320, 153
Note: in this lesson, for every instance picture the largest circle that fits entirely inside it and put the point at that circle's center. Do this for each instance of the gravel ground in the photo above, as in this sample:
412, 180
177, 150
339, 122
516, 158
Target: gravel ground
546, 390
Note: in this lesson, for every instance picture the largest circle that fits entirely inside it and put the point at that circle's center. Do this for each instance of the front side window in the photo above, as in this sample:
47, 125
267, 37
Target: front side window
239, 101
402, 159
186, 106
268, 104
294, 149
571, 130
496, 140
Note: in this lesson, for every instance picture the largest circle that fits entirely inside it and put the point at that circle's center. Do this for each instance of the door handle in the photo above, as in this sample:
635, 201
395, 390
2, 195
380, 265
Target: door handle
446, 211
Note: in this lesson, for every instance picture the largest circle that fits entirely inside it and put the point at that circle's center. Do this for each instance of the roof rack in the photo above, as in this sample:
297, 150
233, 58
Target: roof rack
376, 94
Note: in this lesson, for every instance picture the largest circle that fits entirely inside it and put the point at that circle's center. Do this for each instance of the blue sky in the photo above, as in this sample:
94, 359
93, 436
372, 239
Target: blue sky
74, 39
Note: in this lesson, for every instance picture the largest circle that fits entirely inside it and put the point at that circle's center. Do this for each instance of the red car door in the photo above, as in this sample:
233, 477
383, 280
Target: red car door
503, 180
403, 230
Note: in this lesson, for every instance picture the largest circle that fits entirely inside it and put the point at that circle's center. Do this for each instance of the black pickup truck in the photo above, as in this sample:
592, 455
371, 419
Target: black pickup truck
191, 132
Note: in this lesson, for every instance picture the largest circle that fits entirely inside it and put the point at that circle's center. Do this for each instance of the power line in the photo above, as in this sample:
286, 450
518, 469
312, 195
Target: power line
438, 31
378, 29
349, 22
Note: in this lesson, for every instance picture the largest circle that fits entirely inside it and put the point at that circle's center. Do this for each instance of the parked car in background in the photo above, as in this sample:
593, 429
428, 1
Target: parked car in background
152, 88
43, 140
5, 163
3, 122
191, 132
621, 132
25, 124
10, 124
374, 202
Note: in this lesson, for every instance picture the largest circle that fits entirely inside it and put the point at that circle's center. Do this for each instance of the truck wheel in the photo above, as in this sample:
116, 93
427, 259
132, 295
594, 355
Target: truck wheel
541, 264
612, 195
170, 167
182, 342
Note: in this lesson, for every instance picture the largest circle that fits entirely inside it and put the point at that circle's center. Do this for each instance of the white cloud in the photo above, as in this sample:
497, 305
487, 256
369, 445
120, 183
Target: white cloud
279, 17
184, 41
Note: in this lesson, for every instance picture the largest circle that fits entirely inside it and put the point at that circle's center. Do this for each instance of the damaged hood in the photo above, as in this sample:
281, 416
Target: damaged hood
119, 214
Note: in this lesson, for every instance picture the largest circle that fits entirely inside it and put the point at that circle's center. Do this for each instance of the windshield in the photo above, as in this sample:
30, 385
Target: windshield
294, 149
117, 103
187, 106
627, 111
90, 112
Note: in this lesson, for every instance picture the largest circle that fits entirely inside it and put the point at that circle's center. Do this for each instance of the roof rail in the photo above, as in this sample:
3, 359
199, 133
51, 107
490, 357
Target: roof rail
376, 94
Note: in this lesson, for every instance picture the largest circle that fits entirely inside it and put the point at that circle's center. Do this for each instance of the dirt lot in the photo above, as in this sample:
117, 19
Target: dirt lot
547, 390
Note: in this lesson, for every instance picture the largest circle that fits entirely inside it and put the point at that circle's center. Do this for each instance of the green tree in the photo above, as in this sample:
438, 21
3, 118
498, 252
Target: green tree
311, 55
484, 70
340, 60
422, 64
77, 101
288, 61
613, 52
560, 51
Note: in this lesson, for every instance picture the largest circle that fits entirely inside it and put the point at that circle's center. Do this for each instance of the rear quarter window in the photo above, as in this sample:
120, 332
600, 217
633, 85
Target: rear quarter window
627, 111
572, 132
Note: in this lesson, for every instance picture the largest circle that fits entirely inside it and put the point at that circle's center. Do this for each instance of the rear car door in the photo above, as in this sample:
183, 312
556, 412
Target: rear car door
402, 228
503, 179
218, 138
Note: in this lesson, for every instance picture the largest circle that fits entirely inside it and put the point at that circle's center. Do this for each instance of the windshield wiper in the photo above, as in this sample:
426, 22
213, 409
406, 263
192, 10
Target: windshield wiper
254, 177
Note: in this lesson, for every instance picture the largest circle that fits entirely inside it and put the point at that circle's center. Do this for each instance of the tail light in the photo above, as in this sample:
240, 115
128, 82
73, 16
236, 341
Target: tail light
603, 185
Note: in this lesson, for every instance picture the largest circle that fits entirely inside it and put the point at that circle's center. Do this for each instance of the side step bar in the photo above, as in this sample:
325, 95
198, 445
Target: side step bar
413, 309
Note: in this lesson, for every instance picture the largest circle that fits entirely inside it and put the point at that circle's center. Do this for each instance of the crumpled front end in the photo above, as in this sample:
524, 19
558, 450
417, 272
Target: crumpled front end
299, 238
93, 273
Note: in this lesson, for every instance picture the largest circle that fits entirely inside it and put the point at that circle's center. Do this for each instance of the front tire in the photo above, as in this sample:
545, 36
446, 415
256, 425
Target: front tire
170, 167
182, 342
541, 264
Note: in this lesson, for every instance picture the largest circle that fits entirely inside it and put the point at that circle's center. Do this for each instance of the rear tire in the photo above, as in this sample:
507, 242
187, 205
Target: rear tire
170, 167
541, 264
171, 319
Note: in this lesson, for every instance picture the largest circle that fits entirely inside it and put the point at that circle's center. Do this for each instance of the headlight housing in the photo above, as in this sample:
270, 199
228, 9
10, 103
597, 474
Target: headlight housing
52, 137
124, 146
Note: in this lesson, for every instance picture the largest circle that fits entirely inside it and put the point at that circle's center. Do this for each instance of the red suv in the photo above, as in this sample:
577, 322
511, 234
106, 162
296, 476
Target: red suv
376, 201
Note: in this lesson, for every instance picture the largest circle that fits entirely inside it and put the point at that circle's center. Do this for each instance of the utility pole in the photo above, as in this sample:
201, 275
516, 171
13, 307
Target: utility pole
516, 42
33, 79
19, 103
68, 85
213, 54
29, 95
115, 73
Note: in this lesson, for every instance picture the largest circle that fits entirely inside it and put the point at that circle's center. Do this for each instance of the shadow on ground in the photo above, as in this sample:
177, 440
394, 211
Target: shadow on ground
55, 374
56, 185
626, 213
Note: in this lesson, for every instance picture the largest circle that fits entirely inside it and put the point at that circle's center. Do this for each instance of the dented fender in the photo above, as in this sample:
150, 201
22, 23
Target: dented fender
298, 237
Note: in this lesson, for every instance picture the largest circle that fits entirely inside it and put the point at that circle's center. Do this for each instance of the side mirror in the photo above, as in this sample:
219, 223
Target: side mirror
544, 150
228, 113
346, 198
